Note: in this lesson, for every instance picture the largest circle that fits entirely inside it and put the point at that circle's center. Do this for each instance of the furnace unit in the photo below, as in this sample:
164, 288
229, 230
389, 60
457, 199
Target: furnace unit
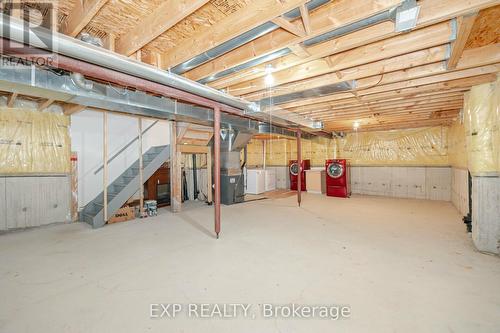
338, 183
294, 174
232, 179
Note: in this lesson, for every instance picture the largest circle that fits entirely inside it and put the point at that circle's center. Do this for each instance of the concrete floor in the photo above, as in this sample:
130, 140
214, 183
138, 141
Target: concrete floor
401, 265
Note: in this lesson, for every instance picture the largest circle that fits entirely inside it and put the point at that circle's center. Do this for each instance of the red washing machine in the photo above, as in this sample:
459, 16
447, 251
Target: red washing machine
338, 183
294, 174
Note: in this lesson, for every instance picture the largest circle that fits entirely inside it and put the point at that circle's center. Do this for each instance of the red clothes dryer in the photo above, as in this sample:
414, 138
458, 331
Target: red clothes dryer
338, 183
294, 174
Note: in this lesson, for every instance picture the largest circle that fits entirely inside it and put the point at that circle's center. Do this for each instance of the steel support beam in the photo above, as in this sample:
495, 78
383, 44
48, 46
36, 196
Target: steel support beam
217, 169
105, 161
299, 162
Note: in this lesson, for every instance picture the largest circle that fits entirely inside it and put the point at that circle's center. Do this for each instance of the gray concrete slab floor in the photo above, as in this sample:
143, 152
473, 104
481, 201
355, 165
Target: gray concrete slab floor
400, 265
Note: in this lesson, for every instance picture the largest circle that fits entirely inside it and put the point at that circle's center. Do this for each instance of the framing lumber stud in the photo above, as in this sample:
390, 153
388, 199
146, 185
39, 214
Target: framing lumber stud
464, 28
175, 171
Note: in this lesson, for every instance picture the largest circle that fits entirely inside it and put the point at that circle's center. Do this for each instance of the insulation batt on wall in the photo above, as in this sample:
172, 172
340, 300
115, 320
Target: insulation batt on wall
482, 129
33, 142
457, 150
410, 147
280, 151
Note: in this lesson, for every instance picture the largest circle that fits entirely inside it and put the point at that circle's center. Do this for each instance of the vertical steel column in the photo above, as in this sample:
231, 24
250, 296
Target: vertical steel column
299, 162
217, 168
141, 170
105, 160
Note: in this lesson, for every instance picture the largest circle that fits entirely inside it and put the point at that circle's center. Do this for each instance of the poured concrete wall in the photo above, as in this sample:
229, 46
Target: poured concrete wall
460, 190
486, 213
34, 201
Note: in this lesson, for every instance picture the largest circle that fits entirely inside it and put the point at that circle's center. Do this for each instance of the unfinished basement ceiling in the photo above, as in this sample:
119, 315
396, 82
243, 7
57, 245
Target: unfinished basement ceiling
486, 29
415, 79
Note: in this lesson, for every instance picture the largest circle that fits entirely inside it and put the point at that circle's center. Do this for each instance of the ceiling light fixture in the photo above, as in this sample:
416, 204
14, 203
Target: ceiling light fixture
269, 79
356, 125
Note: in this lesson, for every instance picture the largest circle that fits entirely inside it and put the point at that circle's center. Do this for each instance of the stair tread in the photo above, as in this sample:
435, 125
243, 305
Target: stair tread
120, 184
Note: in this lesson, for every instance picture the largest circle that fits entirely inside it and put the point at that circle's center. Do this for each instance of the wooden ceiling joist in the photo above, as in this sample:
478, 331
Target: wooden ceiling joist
414, 77
341, 13
401, 79
414, 41
406, 110
418, 58
399, 89
83, 12
348, 103
324, 19
353, 103
258, 12
291, 27
394, 126
381, 104
167, 15
464, 28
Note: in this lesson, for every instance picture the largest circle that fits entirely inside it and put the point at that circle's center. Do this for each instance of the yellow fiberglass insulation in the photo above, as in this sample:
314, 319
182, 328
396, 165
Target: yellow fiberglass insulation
33, 142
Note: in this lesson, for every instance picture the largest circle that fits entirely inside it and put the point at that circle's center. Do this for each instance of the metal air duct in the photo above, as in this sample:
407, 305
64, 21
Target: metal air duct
388, 15
13, 29
240, 40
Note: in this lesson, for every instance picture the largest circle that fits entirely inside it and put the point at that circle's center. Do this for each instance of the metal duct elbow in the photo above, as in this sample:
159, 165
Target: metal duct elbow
87, 38
79, 80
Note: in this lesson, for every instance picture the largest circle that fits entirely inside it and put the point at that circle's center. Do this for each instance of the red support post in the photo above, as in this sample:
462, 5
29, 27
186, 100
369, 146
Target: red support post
217, 117
299, 161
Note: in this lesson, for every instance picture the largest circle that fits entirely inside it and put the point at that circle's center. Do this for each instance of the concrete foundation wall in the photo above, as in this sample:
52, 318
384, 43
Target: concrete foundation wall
282, 177
433, 183
486, 213
34, 201
460, 190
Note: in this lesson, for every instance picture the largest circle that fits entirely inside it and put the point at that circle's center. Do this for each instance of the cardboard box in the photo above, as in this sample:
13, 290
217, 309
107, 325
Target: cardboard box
316, 181
122, 215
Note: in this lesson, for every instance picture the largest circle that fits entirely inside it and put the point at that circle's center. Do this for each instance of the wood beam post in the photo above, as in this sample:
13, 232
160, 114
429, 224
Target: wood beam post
264, 152
73, 109
105, 163
175, 171
464, 28
299, 162
289, 26
217, 117
209, 176
45, 104
141, 169
110, 42
304, 12
74, 186
11, 100
17, 11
